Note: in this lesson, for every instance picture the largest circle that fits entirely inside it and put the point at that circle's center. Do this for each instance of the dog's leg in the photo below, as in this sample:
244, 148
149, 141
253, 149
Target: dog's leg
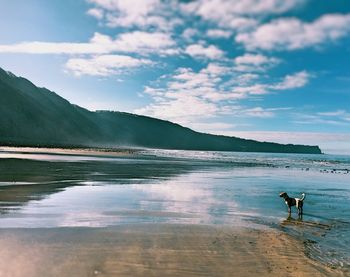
289, 210
300, 212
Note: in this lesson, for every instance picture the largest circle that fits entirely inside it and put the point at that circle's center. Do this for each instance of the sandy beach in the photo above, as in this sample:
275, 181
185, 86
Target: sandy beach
98, 152
154, 250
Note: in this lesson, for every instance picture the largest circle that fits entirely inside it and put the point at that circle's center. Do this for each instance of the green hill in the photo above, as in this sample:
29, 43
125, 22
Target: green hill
32, 116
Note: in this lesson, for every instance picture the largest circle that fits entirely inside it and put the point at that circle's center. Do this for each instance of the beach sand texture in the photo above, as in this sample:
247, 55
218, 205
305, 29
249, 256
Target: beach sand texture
154, 250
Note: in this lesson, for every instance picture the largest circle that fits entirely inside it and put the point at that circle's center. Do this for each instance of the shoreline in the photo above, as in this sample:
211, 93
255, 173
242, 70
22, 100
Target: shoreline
155, 250
97, 152
136, 148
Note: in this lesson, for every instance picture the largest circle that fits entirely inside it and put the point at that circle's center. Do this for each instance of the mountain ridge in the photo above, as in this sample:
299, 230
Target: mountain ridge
33, 116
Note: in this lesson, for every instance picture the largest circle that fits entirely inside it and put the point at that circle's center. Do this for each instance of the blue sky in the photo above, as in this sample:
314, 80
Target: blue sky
263, 69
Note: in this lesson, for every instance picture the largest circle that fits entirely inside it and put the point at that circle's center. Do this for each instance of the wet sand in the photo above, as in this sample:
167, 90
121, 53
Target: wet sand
104, 152
154, 250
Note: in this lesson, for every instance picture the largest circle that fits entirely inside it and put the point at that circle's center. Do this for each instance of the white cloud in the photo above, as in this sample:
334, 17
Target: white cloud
130, 13
254, 62
322, 119
134, 42
291, 33
104, 65
181, 110
334, 113
189, 96
245, 7
254, 59
210, 95
200, 51
105, 51
340, 116
218, 33
101, 56
237, 15
215, 69
139, 13
255, 89
245, 78
295, 80
144, 42
240, 23
258, 112
189, 33
97, 13
37, 47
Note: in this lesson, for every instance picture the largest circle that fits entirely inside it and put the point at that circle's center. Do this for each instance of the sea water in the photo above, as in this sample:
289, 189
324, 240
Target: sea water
188, 187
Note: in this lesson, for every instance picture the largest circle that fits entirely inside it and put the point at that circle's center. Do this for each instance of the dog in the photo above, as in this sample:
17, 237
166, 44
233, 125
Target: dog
290, 202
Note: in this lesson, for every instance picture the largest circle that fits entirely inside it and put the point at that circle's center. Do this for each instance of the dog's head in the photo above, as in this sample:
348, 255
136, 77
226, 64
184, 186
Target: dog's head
283, 194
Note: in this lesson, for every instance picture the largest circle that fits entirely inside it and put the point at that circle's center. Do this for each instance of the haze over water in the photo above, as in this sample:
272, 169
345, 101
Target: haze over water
41, 190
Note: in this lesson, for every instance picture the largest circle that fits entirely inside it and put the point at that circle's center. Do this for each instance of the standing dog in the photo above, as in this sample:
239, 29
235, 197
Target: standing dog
290, 202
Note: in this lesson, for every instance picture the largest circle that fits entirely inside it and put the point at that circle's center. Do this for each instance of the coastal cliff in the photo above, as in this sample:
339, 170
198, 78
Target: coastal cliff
33, 116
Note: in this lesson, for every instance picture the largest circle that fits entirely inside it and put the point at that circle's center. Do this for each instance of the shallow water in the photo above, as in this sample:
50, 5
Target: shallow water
190, 187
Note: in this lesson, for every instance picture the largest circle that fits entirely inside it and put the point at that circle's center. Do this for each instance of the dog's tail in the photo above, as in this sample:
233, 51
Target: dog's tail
302, 197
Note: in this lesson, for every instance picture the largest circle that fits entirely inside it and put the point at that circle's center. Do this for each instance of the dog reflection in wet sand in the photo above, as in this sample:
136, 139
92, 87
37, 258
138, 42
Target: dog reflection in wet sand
290, 202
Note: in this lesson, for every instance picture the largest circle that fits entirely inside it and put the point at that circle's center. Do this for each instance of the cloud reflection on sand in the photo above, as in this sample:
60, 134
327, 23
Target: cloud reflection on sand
181, 195
191, 194
188, 198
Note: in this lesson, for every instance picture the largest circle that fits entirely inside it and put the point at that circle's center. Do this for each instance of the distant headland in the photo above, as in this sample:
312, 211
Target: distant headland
33, 116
